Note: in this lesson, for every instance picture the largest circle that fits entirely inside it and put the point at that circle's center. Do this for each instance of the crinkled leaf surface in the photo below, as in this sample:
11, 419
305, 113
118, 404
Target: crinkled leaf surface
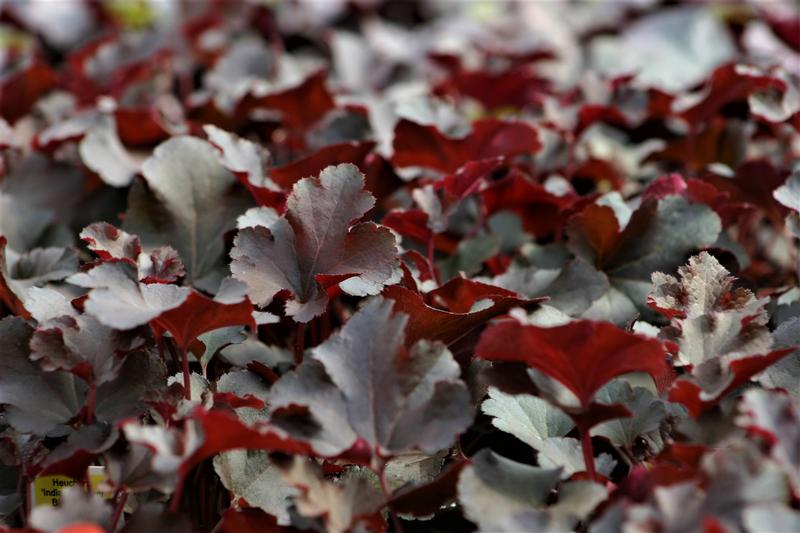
718, 328
710, 318
315, 245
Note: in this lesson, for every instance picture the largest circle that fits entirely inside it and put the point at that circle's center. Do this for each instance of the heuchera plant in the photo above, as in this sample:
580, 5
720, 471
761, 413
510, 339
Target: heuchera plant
352, 265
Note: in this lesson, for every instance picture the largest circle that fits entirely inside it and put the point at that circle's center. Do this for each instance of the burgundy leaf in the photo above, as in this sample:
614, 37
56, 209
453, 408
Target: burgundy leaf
314, 163
199, 314
300, 107
426, 146
222, 432
582, 355
426, 322
20, 90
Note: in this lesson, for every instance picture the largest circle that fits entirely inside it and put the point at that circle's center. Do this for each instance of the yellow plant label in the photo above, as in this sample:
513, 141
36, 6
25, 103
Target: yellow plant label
46, 490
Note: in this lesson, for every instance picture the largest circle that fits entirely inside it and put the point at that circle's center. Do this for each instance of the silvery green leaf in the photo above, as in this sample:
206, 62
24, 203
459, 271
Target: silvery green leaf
572, 289
648, 414
103, 153
250, 474
499, 494
566, 453
219, 338
772, 517
788, 194
416, 401
470, 255
493, 487
254, 351
118, 300
316, 237
529, 418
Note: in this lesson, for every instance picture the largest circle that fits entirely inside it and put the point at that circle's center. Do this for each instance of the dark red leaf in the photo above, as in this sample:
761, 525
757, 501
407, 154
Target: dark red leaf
223, 431
302, 106
411, 223
468, 179
199, 314
517, 87
581, 355
593, 113
542, 212
139, 126
753, 183
311, 165
426, 322
425, 146
249, 520
729, 83
460, 294
21, 89
596, 231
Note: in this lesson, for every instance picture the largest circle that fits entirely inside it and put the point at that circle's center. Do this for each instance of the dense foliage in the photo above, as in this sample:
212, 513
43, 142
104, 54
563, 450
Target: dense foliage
400, 266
